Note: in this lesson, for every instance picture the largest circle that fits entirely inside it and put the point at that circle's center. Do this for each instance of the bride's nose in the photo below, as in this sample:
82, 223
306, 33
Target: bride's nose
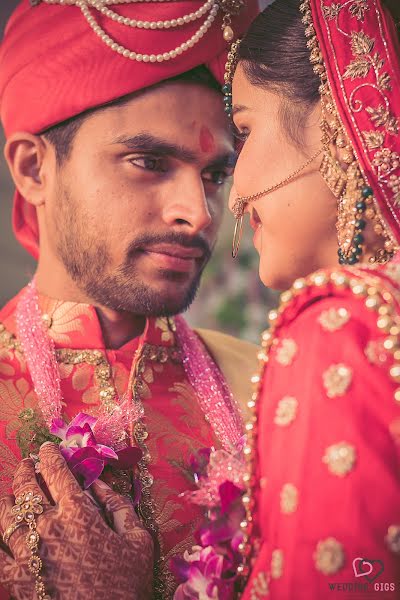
232, 197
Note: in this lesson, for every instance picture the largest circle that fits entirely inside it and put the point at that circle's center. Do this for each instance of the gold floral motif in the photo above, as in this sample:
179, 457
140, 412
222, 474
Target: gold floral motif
337, 379
164, 324
357, 8
393, 538
334, 319
394, 185
65, 318
16, 396
381, 116
376, 353
277, 563
286, 352
329, 556
286, 411
340, 458
8, 341
96, 358
260, 586
368, 68
289, 498
373, 139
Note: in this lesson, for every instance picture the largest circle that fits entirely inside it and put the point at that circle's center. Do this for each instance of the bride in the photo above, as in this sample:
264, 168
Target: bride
316, 105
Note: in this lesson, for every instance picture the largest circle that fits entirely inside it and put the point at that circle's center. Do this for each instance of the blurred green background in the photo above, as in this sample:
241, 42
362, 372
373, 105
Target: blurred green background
231, 297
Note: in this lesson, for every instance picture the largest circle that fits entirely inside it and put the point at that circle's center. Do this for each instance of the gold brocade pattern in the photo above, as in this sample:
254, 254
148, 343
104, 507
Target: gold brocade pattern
64, 319
173, 426
8, 465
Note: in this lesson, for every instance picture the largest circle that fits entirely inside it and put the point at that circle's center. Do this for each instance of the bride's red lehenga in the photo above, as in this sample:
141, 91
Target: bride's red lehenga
323, 504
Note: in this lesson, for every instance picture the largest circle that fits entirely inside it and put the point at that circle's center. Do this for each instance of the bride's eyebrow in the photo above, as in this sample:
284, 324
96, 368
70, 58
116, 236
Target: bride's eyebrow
237, 108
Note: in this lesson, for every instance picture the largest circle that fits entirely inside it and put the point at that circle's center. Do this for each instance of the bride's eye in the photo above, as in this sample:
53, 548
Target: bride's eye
241, 134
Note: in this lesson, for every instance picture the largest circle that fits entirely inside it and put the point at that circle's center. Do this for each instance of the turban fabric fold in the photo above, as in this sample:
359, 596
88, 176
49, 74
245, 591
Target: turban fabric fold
53, 67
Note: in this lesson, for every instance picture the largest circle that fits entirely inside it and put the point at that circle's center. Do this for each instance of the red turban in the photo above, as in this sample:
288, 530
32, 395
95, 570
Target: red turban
53, 66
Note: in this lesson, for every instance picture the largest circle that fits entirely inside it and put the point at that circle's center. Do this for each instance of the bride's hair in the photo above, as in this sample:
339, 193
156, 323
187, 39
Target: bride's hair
274, 56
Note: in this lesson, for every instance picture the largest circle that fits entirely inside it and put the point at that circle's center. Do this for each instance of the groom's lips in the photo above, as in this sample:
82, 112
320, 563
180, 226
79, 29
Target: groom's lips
174, 257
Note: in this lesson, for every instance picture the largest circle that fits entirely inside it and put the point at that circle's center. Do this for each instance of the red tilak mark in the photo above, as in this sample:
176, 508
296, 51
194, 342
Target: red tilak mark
206, 140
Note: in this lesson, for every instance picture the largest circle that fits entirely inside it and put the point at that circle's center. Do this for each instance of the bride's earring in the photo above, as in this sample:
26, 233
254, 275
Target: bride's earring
353, 199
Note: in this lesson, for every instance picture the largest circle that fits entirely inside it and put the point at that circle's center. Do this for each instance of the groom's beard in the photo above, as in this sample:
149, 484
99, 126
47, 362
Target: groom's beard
87, 259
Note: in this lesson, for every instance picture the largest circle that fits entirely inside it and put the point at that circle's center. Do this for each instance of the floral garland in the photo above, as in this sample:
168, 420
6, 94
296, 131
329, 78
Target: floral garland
209, 570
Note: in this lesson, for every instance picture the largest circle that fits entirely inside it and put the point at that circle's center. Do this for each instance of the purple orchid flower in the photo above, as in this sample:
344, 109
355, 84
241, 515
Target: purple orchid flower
224, 528
84, 456
202, 573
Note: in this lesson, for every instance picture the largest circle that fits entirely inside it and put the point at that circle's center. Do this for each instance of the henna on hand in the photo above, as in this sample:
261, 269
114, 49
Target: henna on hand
83, 556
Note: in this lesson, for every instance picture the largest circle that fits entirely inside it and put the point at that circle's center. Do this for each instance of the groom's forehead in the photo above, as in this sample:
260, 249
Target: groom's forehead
175, 120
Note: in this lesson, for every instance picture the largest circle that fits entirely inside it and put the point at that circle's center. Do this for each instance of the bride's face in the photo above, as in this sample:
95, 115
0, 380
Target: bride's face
294, 226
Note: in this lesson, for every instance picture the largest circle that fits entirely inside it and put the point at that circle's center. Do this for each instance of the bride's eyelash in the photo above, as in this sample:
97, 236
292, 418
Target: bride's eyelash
240, 135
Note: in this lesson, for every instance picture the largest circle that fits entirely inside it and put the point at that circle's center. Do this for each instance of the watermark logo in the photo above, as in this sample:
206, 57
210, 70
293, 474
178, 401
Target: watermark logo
366, 572
370, 569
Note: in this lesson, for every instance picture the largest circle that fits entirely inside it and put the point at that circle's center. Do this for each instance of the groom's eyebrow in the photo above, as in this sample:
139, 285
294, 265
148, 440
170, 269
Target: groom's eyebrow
146, 142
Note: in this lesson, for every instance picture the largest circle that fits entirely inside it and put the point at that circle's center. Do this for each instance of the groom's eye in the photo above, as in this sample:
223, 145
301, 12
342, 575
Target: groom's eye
149, 163
218, 177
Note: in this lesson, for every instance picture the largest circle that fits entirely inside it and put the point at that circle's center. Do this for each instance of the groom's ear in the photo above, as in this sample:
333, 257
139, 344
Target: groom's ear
25, 155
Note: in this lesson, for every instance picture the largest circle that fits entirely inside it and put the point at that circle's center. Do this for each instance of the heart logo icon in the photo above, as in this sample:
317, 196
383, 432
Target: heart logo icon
363, 567
358, 564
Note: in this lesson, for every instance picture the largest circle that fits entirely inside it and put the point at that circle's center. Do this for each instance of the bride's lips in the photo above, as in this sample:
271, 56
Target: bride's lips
174, 257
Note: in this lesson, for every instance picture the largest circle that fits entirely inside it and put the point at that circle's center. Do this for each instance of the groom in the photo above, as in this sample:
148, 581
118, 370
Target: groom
120, 151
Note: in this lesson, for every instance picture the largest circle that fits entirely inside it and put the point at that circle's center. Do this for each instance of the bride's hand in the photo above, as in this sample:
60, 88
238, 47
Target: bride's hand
83, 557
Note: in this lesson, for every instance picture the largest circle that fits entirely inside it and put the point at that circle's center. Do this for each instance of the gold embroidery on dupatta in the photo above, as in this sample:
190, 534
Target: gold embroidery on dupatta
277, 563
260, 586
286, 352
289, 499
337, 379
367, 61
334, 319
329, 556
393, 538
340, 458
286, 411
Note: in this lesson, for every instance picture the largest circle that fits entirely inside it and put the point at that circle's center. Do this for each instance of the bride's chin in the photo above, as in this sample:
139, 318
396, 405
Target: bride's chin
272, 277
